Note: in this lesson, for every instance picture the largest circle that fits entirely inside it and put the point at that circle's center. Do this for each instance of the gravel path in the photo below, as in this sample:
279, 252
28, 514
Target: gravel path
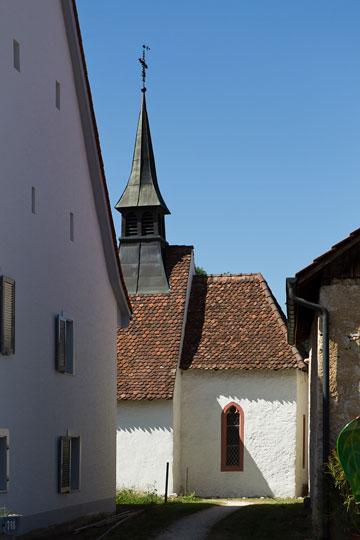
197, 525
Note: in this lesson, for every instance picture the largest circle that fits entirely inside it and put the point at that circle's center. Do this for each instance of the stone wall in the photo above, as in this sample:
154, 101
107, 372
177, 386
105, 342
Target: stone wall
342, 298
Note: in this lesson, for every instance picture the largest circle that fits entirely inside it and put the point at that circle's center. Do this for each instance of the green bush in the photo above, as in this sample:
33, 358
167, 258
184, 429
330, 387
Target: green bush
343, 509
131, 496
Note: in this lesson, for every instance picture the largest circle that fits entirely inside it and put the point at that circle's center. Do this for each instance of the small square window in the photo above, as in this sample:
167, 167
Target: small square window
4, 460
57, 95
69, 463
64, 344
16, 47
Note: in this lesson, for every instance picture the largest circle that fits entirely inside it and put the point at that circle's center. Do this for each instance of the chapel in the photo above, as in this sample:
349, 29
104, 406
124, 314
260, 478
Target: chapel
206, 380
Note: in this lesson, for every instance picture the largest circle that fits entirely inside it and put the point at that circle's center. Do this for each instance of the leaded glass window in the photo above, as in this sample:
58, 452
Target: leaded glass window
232, 437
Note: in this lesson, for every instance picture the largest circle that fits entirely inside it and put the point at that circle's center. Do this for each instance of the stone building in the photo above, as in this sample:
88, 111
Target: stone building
206, 379
332, 282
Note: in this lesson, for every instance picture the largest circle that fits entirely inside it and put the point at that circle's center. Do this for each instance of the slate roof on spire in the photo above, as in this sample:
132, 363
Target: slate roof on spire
142, 188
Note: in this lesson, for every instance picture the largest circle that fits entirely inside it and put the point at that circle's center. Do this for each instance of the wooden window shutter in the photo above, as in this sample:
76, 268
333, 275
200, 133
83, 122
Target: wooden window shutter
64, 464
7, 315
60, 343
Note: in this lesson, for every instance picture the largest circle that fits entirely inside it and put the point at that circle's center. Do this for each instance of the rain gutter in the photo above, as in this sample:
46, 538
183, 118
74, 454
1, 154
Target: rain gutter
291, 284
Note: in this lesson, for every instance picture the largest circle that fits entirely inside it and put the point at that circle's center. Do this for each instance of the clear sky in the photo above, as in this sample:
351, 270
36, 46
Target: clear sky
254, 110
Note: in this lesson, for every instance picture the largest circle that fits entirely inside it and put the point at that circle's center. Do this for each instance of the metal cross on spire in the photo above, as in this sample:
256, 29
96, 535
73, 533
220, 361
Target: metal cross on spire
144, 66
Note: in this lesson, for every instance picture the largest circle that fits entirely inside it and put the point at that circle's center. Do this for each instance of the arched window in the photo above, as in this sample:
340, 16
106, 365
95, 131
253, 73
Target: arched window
147, 224
232, 438
131, 225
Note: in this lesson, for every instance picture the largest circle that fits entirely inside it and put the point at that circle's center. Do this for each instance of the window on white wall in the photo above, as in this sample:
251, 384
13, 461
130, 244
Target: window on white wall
69, 463
16, 47
57, 95
64, 344
4, 460
7, 315
232, 438
33, 200
72, 225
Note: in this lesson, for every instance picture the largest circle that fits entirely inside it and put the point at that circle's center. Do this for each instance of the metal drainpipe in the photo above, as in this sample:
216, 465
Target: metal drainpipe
325, 332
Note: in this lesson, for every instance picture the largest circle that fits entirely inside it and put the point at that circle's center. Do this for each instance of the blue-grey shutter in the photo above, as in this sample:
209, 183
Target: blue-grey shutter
75, 464
7, 315
64, 464
69, 367
60, 343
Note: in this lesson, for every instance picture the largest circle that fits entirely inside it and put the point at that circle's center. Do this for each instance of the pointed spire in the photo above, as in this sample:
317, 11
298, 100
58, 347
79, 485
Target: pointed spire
142, 188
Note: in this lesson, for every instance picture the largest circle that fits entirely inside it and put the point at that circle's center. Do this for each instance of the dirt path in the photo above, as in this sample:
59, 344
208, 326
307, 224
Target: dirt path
196, 526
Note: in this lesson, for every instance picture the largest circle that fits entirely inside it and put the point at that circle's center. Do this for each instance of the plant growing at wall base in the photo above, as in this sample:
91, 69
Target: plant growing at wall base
343, 509
348, 449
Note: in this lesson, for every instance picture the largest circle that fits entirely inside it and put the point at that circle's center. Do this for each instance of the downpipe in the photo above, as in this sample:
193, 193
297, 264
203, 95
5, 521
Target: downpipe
325, 392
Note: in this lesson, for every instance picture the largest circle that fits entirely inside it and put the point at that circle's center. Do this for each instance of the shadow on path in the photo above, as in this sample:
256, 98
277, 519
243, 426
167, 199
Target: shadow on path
196, 526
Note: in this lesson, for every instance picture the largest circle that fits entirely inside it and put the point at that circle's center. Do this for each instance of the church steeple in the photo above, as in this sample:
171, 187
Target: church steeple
143, 239
142, 188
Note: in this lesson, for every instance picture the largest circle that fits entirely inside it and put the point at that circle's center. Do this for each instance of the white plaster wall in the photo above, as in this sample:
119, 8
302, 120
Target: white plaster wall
177, 418
43, 147
144, 445
268, 400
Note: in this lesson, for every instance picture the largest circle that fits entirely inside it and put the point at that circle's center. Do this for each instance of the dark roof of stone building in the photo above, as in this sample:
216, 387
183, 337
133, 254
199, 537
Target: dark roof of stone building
149, 349
342, 261
142, 188
234, 322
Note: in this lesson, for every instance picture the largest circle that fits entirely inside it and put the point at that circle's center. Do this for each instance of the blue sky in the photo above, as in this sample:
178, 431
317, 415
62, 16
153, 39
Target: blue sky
254, 109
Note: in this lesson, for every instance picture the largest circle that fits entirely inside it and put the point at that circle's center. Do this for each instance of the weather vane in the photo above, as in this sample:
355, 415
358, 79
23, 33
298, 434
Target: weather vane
144, 66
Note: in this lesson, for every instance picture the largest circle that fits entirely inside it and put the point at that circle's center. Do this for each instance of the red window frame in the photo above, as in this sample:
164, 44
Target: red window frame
224, 414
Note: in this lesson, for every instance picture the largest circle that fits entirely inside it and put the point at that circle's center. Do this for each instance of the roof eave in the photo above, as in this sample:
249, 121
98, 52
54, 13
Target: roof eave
94, 157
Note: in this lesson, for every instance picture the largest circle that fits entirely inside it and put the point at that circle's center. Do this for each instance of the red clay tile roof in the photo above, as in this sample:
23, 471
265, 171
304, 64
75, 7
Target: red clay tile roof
234, 322
149, 349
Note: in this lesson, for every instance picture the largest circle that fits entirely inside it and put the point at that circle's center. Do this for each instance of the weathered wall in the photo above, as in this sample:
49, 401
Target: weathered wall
268, 400
144, 444
342, 298
43, 147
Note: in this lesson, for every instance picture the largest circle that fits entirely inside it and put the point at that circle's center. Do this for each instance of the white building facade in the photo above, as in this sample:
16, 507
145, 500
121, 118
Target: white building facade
65, 295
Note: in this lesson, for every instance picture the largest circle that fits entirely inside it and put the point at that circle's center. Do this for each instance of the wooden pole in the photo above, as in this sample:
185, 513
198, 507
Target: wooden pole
166, 482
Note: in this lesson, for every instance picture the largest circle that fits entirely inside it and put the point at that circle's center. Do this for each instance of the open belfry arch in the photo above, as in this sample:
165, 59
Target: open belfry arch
206, 380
